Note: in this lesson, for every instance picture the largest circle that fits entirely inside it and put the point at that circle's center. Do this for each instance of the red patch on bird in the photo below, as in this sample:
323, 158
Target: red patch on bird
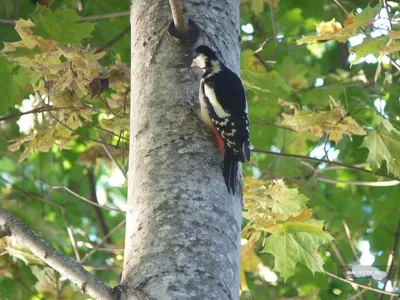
220, 141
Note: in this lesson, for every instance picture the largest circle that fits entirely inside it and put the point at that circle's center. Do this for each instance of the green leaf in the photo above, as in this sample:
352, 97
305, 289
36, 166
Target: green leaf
256, 78
383, 145
370, 46
293, 242
367, 15
13, 81
285, 200
62, 27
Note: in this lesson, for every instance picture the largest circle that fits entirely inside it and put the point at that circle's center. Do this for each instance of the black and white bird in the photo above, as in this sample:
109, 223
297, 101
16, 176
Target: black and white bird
223, 108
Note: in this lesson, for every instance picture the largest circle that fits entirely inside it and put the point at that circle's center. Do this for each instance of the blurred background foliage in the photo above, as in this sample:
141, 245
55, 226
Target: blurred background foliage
325, 118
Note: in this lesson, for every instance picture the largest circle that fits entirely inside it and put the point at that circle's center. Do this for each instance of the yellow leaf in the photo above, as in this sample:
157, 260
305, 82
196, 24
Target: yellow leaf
326, 31
328, 27
351, 19
304, 216
335, 122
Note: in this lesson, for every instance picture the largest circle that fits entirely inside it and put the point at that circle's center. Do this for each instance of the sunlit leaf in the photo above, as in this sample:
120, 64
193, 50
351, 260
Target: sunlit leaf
383, 144
294, 242
335, 122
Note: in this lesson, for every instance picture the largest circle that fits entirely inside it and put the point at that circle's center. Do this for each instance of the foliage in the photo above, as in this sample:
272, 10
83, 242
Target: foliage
323, 95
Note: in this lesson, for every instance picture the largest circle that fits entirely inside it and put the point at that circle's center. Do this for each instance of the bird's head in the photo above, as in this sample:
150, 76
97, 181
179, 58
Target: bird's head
205, 58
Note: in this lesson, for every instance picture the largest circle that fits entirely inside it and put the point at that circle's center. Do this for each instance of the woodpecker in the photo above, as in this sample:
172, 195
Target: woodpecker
223, 108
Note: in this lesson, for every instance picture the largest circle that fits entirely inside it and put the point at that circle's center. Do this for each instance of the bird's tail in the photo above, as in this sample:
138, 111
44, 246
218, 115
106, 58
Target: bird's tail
230, 170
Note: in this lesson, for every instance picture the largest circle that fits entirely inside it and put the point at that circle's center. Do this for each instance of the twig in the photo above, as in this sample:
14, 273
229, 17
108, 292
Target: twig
41, 110
257, 55
360, 293
67, 267
71, 235
114, 40
11, 23
352, 246
181, 21
361, 285
85, 258
115, 161
392, 254
377, 173
56, 187
341, 6
63, 124
346, 269
105, 16
361, 183
262, 123
21, 190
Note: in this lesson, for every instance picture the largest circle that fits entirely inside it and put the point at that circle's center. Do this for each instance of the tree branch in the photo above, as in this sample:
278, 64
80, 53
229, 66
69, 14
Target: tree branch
11, 23
361, 285
87, 282
181, 22
114, 40
362, 183
377, 173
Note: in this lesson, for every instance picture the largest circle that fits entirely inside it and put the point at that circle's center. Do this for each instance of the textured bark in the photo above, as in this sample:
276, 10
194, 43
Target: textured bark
183, 228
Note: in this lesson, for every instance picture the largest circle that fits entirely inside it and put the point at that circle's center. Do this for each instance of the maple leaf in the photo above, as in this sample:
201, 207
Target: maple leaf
383, 144
293, 242
61, 26
333, 30
284, 200
336, 122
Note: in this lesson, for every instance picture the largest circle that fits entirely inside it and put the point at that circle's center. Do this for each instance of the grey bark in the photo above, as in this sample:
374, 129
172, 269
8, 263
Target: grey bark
183, 228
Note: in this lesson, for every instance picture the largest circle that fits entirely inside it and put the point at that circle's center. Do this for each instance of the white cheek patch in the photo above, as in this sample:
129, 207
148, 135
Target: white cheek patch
210, 94
199, 61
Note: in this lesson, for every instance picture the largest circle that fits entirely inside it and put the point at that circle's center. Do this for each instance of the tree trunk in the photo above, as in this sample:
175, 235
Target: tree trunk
183, 228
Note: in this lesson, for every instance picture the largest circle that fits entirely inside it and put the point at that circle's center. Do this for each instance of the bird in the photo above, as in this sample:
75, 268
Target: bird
223, 108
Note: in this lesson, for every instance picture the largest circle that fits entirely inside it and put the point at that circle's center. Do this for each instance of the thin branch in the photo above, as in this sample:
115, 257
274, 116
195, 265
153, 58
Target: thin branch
63, 124
350, 239
181, 21
361, 183
360, 293
377, 173
41, 110
341, 6
262, 61
115, 161
67, 267
11, 23
71, 235
361, 285
21, 190
392, 254
114, 40
265, 123
8, 23
105, 16
57, 187
346, 269
85, 258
